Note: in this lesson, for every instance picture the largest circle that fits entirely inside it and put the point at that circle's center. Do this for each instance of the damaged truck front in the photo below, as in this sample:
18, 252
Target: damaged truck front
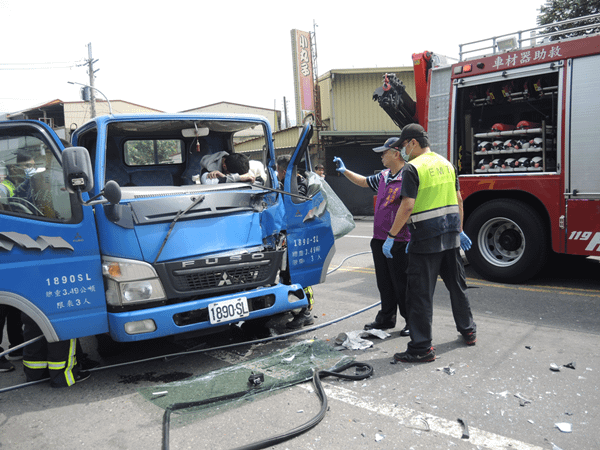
147, 250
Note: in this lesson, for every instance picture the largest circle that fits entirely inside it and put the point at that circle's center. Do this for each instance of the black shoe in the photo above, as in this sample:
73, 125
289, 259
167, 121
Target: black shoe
470, 338
379, 325
407, 357
6, 366
405, 331
82, 375
301, 320
87, 363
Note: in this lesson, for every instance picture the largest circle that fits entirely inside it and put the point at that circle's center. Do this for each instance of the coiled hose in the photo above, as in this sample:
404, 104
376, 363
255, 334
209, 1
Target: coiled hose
366, 369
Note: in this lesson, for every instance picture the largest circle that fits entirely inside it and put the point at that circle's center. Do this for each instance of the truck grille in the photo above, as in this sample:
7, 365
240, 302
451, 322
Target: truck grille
222, 277
220, 274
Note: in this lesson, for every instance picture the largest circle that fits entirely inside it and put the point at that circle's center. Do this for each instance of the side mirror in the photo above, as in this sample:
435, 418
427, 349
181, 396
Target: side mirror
112, 192
77, 170
79, 177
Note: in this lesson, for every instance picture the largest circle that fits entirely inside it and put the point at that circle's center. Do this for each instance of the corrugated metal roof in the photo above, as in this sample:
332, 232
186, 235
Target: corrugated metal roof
366, 70
227, 103
347, 104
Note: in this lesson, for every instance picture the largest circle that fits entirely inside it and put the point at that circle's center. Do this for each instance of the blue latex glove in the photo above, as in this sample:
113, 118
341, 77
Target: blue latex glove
340, 167
387, 247
465, 242
406, 249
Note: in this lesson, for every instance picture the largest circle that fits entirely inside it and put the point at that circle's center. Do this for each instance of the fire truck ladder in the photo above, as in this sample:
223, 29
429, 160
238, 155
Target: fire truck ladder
506, 42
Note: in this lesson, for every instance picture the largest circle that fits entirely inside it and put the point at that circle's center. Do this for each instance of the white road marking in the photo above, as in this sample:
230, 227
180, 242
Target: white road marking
411, 418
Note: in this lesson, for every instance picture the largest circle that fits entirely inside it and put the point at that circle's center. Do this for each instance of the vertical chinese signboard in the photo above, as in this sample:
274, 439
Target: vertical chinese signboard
304, 83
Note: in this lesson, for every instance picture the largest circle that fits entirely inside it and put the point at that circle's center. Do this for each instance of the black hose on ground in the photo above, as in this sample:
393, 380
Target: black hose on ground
317, 375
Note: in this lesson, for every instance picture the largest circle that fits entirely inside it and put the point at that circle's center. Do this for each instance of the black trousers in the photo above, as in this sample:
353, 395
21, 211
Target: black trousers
391, 280
423, 271
14, 325
43, 359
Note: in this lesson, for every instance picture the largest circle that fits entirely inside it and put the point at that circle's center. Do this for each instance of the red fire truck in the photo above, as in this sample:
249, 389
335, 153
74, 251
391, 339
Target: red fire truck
522, 125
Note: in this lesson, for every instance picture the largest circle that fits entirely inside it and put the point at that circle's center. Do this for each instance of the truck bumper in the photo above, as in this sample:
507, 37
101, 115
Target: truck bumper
192, 316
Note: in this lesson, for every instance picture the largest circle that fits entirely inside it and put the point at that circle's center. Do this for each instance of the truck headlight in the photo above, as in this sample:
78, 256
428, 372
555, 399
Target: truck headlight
129, 281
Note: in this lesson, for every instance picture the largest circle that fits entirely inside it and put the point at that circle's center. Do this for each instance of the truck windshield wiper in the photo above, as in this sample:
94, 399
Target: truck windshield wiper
181, 213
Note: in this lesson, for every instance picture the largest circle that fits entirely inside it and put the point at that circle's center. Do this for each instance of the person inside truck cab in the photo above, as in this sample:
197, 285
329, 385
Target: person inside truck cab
282, 164
320, 170
18, 181
226, 168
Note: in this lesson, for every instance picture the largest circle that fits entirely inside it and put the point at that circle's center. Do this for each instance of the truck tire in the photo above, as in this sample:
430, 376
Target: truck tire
510, 241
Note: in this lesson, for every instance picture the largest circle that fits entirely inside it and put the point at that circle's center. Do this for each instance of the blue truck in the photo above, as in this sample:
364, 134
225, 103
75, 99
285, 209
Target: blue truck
114, 234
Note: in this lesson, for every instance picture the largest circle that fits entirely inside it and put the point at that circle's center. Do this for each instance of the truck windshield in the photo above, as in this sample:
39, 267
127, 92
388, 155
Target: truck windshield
161, 153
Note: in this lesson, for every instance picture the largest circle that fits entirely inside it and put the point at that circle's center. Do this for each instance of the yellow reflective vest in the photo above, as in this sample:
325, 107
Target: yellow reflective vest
436, 206
7, 188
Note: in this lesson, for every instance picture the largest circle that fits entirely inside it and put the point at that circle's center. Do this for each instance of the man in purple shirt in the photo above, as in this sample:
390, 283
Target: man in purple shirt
389, 251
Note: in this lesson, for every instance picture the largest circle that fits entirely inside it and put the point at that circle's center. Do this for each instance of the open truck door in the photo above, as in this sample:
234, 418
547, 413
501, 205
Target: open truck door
310, 239
49, 253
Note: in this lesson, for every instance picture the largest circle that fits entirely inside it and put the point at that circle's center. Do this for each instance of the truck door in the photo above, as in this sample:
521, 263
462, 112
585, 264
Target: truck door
49, 256
309, 235
583, 148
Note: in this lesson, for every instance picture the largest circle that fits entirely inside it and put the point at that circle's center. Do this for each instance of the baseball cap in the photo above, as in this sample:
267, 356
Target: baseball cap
392, 143
411, 131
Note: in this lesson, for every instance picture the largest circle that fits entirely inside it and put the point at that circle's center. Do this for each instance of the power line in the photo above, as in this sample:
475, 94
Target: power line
37, 63
41, 66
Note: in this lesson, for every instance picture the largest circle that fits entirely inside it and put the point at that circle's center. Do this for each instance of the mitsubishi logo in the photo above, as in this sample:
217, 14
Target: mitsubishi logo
225, 280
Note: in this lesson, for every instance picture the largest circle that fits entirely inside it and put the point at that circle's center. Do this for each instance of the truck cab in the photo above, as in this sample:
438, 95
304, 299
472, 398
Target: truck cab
168, 254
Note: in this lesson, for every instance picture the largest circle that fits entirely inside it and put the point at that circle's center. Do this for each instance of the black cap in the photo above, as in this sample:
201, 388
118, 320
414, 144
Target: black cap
411, 131
392, 143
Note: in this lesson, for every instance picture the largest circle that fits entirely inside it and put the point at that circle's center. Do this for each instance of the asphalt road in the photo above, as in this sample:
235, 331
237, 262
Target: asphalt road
502, 388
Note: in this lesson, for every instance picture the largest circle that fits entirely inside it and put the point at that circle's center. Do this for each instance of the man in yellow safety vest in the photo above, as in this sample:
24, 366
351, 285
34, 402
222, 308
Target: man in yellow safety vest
432, 207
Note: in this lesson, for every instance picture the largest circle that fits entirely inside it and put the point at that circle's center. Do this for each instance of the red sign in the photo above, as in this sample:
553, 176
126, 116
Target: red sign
303, 75
554, 51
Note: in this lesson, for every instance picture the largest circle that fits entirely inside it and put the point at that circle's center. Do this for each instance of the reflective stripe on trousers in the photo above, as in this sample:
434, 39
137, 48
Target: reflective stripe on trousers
66, 366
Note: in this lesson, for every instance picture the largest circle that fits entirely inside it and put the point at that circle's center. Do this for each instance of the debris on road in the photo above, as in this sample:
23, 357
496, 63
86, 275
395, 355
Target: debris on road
465, 434
524, 400
564, 427
427, 428
160, 394
449, 370
354, 339
554, 367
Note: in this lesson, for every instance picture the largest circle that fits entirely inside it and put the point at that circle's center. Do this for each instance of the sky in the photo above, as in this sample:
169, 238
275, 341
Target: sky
179, 55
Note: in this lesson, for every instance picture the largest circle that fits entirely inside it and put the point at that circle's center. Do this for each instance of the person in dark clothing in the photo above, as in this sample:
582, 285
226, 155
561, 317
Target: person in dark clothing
390, 263
432, 207
282, 163
14, 330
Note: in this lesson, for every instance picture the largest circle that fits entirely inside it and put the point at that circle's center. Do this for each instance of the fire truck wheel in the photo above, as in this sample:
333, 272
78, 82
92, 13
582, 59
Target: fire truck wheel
510, 243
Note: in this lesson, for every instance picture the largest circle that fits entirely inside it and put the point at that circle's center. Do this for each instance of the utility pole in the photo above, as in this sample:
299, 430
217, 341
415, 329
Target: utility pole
285, 114
91, 72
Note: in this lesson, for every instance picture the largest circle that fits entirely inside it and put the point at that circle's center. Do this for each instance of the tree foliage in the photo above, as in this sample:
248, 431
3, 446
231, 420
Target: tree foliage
558, 10
150, 152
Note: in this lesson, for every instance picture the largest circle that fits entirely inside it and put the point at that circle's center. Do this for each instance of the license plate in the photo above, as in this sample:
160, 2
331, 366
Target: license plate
228, 310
